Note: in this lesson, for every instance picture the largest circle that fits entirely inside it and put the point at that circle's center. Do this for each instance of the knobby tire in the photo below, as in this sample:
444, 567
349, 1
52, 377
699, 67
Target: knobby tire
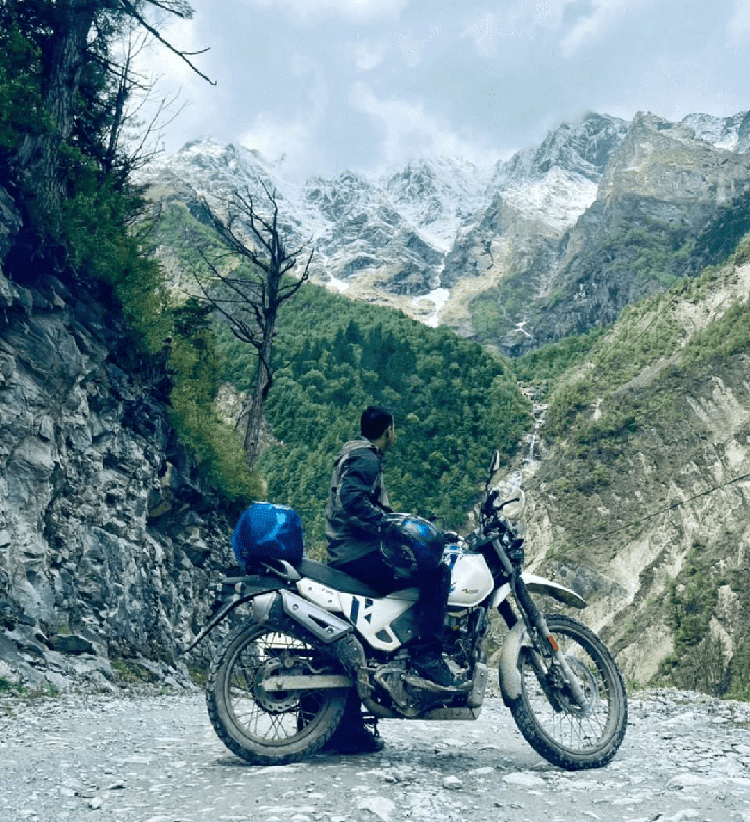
568, 735
267, 728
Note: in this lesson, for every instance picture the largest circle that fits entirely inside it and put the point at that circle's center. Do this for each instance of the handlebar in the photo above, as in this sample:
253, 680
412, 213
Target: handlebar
489, 505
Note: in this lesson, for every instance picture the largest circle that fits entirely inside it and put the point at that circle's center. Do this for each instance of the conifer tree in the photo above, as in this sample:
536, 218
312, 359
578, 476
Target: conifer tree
78, 90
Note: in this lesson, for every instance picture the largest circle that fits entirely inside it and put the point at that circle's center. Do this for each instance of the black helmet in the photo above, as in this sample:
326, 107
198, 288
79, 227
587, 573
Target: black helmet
424, 539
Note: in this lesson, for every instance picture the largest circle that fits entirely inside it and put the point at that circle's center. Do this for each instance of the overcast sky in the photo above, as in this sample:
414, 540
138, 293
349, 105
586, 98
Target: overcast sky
368, 84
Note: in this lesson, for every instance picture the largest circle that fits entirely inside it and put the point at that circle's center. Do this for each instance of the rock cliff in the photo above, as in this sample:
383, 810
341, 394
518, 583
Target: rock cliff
107, 541
554, 241
640, 498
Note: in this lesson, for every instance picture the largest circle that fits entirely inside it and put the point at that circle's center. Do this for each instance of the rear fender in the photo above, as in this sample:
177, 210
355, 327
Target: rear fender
231, 593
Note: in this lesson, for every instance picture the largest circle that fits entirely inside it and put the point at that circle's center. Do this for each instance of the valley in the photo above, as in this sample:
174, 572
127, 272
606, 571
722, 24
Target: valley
602, 276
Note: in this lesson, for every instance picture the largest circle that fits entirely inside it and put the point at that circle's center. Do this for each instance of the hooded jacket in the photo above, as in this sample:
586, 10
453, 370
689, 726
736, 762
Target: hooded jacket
357, 502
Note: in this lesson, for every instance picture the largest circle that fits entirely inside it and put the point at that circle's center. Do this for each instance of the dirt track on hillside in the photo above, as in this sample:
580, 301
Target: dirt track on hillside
157, 759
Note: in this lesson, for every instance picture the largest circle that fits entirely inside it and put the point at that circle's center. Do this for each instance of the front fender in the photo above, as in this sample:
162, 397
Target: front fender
540, 585
508, 673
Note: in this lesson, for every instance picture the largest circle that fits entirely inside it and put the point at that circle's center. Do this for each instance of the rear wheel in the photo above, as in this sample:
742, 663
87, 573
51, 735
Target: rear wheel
569, 734
271, 727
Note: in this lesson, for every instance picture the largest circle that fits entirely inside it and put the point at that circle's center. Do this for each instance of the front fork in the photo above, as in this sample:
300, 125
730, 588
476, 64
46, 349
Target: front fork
533, 632
560, 675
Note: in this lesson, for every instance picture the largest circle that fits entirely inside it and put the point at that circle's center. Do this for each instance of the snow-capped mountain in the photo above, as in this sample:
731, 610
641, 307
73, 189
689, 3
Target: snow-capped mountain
731, 133
442, 236
438, 196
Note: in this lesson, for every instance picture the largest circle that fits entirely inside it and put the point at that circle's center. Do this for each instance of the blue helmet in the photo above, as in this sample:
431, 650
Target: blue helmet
424, 539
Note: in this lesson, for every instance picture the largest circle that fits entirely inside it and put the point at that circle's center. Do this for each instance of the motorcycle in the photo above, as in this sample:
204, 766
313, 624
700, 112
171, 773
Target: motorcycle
279, 681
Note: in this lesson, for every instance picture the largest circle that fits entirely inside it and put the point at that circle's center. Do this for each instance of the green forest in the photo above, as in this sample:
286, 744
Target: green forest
453, 402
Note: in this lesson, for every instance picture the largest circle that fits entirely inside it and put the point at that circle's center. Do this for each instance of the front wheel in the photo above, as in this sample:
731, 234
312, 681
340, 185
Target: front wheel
562, 730
271, 727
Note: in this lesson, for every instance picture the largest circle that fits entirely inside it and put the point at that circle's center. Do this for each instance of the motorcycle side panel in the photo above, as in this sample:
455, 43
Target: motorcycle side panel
375, 619
328, 598
321, 623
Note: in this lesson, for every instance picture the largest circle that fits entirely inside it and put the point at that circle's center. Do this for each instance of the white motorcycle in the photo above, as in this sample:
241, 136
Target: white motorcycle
279, 682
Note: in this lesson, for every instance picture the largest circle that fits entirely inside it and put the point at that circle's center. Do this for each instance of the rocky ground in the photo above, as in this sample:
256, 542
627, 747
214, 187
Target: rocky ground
155, 758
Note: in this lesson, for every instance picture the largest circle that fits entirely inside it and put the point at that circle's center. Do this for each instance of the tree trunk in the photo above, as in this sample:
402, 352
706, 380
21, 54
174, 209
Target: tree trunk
258, 297
257, 403
39, 157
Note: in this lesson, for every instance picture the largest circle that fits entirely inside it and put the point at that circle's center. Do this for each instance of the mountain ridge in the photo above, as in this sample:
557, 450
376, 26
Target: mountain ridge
439, 237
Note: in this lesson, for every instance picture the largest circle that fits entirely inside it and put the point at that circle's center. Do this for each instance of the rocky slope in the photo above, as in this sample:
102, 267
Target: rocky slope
107, 542
554, 241
640, 499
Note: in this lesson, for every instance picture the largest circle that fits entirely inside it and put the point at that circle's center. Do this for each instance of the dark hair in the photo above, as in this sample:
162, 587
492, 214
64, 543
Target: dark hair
375, 421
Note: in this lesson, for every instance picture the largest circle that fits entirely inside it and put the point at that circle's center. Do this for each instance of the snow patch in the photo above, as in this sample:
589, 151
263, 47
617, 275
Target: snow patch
335, 284
558, 199
438, 296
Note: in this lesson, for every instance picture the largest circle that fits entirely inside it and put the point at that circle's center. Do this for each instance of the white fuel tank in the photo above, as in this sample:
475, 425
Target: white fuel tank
471, 580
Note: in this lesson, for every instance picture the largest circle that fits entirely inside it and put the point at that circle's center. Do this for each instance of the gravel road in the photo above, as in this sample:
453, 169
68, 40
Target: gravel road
156, 759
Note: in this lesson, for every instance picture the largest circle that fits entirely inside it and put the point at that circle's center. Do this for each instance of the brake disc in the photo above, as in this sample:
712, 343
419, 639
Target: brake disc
275, 702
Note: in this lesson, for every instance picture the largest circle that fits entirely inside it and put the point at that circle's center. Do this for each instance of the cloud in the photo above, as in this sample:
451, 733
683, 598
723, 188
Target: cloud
287, 137
357, 10
592, 28
484, 32
370, 55
738, 28
358, 84
490, 30
410, 131
277, 139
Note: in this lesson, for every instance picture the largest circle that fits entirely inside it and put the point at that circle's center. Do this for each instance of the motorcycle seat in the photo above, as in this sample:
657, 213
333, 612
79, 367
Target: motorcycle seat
333, 578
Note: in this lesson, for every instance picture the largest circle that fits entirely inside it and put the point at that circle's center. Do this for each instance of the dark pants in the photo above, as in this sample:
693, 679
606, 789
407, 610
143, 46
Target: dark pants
432, 578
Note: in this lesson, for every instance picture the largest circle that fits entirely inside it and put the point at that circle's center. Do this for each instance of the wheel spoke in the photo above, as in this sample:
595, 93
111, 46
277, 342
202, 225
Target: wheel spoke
270, 726
559, 727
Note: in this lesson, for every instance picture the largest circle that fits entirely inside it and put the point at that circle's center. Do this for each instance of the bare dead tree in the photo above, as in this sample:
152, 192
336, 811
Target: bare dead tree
132, 141
249, 301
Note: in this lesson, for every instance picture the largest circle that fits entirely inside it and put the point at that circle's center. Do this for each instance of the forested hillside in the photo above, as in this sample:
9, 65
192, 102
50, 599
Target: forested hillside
454, 403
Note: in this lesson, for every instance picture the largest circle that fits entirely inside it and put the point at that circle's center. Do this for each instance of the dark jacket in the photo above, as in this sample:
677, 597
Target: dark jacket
357, 502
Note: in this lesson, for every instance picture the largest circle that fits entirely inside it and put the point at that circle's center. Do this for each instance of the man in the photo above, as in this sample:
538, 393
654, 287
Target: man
358, 502
363, 543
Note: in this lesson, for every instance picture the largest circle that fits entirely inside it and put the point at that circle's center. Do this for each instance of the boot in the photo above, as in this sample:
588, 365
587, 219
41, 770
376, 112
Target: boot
430, 665
352, 735
353, 738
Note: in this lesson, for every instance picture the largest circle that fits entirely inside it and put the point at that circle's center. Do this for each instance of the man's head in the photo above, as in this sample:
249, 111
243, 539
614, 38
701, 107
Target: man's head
377, 425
